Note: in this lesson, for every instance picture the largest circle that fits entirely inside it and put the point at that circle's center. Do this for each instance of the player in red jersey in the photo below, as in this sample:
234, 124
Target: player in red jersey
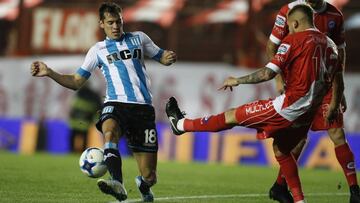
308, 60
328, 20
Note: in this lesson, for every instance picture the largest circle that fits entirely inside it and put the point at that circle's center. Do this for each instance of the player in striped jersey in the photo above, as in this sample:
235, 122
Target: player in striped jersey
328, 20
127, 108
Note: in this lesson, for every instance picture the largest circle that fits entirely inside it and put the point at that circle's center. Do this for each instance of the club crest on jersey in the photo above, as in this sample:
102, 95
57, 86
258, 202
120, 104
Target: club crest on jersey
331, 24
280, 21
135, 40
123, 55
283, 49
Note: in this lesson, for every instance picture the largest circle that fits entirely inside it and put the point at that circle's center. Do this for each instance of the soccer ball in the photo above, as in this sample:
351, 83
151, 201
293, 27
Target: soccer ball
92, 163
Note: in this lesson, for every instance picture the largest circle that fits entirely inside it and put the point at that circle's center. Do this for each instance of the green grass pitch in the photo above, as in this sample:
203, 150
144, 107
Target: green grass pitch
57, 178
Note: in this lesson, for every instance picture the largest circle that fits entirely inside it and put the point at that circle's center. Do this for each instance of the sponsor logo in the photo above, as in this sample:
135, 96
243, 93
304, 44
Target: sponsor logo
331, 24
172, 122
280, 21
350, 165
108, 155
279, 31
124, 55
283, 49
258, 108
204, 120
108, 109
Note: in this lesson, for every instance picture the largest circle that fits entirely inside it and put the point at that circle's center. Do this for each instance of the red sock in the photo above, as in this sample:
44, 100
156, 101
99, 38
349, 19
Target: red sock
208, 124
289, 169
346, 160
280, 178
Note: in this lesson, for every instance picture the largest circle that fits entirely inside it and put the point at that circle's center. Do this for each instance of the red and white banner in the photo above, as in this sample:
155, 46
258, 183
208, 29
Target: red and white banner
9, 9
225, 12
155, 11
228, 11
193, 84
257, 5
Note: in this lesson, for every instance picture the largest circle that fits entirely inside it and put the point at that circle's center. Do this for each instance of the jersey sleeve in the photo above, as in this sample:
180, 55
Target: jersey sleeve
280, 61
339, 37
332, 56
280, 29
90, 63
150, 48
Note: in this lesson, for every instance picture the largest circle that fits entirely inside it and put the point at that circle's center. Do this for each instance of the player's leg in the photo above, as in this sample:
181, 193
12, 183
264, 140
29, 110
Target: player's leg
143, 141
345, 158
108, 124
147, 167
343, 152
284, 142
112, 159
260, 115
279, 190
212, 123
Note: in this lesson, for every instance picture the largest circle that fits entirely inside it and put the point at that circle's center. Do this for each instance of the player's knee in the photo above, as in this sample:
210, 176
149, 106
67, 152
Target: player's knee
230, 117
299, 147
278, 152
111, 135
337, 136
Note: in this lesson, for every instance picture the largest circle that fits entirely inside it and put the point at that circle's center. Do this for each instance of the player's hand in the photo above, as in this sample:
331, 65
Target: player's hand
343, 105
39, 69
230, 82
331, 115
168, 58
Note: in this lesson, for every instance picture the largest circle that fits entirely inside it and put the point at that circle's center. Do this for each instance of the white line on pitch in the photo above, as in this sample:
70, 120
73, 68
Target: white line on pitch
229, 196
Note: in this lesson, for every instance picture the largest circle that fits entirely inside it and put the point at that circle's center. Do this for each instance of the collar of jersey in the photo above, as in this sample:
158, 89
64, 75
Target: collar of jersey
118, 40
312, 29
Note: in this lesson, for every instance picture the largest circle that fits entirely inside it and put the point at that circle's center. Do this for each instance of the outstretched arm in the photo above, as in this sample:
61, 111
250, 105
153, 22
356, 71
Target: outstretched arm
262, 75
73, 81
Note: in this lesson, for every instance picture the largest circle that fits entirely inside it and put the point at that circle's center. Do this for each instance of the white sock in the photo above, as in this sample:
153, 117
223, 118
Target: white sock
180, 124
301, 201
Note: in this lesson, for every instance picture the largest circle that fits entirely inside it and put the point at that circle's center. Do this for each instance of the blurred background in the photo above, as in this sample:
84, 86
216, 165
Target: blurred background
213, 40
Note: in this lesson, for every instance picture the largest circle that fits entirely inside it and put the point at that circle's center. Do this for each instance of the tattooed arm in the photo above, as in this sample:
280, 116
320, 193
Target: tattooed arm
262, 75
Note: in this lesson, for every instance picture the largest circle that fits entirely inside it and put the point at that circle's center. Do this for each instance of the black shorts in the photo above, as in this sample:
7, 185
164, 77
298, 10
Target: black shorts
136, 122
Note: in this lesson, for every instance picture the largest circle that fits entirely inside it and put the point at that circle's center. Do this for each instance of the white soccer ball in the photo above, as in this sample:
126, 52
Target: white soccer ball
92, 162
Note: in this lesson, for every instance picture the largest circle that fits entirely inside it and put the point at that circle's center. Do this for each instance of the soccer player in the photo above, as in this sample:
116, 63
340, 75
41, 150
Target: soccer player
127, 108
328, 20
307, 59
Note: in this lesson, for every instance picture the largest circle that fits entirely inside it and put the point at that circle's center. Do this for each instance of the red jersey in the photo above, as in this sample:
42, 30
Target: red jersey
308, 62
328, 19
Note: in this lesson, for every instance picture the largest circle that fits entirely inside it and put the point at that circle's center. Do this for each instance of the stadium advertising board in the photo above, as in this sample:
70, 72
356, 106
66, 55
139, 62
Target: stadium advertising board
59, 30
236, 146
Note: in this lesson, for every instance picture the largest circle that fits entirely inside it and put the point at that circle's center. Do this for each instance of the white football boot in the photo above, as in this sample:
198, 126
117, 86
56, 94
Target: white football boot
114, 188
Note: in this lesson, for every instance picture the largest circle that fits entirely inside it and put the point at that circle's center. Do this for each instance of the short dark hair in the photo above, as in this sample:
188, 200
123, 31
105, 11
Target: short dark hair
109, 7
305, 9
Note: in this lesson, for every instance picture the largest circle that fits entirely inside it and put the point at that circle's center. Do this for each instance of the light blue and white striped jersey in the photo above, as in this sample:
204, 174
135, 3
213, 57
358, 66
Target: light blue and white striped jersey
122, 64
